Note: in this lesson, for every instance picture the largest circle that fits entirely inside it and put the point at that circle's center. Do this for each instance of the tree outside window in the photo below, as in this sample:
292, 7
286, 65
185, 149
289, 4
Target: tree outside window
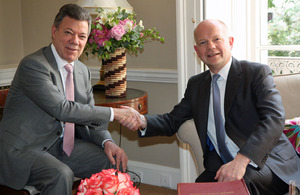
284, 36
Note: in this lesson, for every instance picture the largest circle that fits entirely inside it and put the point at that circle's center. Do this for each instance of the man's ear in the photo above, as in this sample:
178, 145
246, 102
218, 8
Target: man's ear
53, 30
196, 50
231, 41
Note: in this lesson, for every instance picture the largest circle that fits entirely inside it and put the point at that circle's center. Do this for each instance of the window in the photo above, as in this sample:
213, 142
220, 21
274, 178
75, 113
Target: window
280, 35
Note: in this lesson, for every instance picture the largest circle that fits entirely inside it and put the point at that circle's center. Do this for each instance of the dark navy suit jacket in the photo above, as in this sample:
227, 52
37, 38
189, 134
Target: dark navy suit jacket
254, 117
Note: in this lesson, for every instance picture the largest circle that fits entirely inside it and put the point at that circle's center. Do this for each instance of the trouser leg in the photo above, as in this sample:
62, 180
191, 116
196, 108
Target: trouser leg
264, 182
85, 159
53, 172
50, 176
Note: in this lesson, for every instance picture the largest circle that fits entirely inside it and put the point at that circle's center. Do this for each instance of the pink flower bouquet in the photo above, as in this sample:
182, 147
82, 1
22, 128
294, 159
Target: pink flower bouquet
107, 182
112, 30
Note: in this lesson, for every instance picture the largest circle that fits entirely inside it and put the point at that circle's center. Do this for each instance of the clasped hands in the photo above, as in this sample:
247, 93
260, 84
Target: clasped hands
130, 118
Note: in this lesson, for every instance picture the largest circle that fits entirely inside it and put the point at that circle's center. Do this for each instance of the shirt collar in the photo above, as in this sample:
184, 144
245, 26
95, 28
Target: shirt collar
224, 71
60, 62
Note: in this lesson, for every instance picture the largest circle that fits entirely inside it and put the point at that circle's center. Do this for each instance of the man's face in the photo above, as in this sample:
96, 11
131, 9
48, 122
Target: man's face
70, 38
213, 46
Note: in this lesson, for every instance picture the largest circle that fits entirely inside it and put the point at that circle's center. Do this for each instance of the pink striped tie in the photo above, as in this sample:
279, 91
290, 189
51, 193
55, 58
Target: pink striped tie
68, 142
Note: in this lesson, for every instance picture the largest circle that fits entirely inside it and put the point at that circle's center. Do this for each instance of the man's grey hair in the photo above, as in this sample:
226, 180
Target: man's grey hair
73, 11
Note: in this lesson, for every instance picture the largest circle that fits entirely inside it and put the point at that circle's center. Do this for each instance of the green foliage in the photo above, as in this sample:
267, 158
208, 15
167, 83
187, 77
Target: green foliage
284, 28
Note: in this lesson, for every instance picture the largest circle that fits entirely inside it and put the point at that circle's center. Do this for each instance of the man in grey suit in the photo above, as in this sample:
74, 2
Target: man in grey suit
32, 127
252, 115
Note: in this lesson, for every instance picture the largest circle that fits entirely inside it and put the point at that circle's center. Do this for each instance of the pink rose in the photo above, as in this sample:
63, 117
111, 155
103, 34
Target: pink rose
82, 188
123, 22
94, 182
124, 180
94, 192
107, 183
107, 172
129, 191
110, 184
117, 32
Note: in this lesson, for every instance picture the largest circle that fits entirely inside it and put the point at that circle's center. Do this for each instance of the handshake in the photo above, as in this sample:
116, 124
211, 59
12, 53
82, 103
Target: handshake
130, 118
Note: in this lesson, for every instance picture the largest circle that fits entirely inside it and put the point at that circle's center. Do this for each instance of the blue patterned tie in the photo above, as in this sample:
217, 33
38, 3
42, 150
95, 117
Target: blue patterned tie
220, 131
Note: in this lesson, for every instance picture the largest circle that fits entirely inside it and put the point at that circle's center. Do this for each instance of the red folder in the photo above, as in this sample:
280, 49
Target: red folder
213, 188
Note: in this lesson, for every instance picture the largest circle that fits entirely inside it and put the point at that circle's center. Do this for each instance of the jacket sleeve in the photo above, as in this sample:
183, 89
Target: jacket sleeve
39, 83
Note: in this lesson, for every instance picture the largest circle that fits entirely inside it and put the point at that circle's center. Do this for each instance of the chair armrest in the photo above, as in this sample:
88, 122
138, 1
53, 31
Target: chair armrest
187, 134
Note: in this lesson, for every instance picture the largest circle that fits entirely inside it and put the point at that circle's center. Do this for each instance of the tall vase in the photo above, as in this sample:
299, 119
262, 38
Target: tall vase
115, 74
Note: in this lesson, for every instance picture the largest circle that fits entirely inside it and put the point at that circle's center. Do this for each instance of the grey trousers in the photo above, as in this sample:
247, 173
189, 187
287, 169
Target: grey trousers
53, 172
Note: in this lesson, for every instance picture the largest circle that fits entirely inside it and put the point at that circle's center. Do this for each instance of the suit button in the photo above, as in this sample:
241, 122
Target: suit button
44, 149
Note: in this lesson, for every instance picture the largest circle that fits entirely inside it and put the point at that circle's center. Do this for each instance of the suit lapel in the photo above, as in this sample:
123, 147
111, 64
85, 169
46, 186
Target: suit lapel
55, 75
77, 80
204, 89
233, 82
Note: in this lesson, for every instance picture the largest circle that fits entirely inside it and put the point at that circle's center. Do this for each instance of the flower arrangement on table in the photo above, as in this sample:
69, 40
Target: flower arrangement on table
118, 29
110, 182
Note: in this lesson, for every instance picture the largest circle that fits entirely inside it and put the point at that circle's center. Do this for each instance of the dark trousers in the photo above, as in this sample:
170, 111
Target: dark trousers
53, 172
259, 182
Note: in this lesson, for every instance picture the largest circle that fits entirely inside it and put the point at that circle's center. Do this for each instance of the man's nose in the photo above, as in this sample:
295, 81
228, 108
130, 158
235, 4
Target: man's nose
75, 39
211, 45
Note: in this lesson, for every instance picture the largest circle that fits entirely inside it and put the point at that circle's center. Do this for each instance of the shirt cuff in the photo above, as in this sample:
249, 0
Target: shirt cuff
143, 131
106, 141
112, 115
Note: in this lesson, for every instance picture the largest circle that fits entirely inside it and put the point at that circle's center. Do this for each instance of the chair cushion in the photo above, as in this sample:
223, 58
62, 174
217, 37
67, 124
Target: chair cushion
292, 131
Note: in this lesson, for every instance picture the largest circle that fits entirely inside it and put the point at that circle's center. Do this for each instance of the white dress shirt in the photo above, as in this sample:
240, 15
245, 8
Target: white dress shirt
211, 129
63, 73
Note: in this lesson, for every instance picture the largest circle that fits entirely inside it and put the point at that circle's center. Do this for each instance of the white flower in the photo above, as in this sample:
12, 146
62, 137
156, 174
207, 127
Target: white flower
141, 24
128, 26
103, 18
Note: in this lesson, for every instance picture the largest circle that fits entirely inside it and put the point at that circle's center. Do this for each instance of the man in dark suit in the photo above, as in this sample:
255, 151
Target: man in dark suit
36, 110
251, 113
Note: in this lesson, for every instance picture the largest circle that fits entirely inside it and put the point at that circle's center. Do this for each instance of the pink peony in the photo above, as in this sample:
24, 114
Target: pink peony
99, 37
117, 32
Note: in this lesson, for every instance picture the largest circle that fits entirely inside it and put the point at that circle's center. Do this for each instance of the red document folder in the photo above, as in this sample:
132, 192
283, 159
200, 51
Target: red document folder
213, 188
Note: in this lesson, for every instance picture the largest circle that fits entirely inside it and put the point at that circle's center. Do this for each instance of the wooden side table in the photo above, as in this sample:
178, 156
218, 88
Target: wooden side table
3, 94
135, 98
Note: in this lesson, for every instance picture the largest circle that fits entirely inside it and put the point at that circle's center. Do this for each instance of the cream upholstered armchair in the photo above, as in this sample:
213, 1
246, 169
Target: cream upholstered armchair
187, 133
289, 88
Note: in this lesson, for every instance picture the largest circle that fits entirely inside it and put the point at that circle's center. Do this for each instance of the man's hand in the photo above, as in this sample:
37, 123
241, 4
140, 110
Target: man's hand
128, 117
111, 150
233, 170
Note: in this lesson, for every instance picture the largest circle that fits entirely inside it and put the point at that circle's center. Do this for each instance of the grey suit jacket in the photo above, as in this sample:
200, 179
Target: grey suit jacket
254, 117
34, 109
